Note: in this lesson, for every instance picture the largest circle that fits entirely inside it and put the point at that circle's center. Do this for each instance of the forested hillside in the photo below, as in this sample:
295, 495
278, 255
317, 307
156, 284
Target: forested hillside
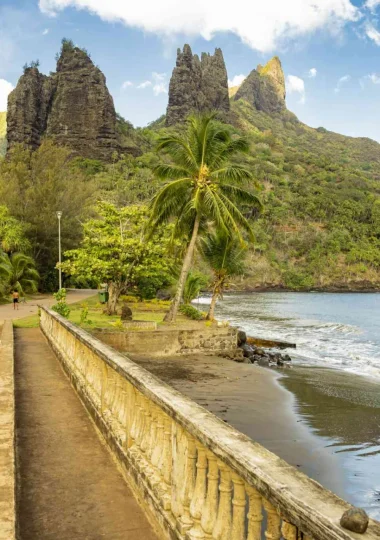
320, 227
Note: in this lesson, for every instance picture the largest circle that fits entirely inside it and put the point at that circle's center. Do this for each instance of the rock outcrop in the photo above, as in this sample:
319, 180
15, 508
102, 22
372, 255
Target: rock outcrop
197, 85
73, 106
264, 88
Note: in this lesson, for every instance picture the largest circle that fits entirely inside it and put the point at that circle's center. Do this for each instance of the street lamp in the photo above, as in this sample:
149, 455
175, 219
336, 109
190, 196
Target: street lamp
59, 215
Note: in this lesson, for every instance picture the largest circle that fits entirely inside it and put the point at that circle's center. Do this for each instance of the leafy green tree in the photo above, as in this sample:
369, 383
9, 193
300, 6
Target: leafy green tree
12, 233
226, 257
115, 251
19, 272
204, 186
33, 186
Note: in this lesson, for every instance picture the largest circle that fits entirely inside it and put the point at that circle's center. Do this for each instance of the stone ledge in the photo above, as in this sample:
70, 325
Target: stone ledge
7, 435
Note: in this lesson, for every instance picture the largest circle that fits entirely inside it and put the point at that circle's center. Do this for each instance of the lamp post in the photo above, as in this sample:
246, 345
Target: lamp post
59, 215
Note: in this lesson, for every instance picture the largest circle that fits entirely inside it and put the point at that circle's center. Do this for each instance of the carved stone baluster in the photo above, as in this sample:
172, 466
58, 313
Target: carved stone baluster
166, 463
128, 417
104, 388
178, 469
186, 522
146, 425
157, 450
289, 531
255, 514
153, 432
238, 508
273, 531
222, 528
211, 505
199, 495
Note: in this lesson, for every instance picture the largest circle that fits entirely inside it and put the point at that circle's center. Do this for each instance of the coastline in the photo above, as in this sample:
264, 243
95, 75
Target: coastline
253, 400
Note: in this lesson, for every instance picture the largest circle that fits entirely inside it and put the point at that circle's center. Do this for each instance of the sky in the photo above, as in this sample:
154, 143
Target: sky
329, 49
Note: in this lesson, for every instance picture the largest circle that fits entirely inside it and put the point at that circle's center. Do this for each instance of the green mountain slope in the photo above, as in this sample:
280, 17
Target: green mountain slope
321, 224
3, 133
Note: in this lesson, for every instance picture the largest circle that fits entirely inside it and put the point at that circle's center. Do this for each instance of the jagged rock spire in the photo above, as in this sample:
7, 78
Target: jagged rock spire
73, 106
197, 85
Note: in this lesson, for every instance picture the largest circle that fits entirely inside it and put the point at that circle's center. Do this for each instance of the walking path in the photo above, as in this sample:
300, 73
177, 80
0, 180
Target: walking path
70, 488
31, 307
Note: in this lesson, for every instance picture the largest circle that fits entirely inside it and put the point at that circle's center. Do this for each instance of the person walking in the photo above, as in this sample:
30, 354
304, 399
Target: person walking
15, 297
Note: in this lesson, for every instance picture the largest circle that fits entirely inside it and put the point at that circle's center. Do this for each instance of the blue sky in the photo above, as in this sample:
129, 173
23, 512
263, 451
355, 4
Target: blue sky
135, 46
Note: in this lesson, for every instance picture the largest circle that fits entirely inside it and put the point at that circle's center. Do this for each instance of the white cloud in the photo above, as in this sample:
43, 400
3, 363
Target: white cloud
5, 89
295, 85
46, 31
159, 83
374, 78
312, 73
261, 25
372, 4
126, 84
144, 84
236, 81
372, 33
340, 83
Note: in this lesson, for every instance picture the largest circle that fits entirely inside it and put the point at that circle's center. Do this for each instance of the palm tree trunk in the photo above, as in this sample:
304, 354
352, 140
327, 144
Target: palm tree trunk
172, 313
211, 311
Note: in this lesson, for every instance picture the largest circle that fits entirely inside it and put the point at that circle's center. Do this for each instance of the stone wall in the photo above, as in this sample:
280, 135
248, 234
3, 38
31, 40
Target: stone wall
171, 342
7, 435
196, 476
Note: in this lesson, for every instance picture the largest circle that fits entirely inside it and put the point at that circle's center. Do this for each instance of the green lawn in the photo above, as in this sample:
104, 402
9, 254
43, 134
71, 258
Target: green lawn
142, 311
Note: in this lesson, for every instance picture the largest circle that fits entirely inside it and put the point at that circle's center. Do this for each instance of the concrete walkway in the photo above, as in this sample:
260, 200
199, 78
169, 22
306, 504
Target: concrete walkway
70, 488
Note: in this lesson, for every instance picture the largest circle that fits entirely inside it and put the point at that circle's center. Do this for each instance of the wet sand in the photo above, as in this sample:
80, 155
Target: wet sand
251, 399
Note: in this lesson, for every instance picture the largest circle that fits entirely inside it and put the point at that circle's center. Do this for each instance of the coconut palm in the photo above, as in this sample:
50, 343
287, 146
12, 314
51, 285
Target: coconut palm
225, 256
203, 186
19, 272
195, 282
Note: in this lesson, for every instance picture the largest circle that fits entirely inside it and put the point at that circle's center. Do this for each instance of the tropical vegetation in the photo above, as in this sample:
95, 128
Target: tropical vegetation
203, 186
225, 255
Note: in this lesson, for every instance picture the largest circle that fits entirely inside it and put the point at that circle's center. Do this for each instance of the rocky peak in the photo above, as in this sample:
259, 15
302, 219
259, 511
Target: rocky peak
265, 87
27, 109
197, 85
73, 106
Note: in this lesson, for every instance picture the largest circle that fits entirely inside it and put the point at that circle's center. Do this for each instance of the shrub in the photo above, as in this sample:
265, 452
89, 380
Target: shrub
129, 299
61, 306
191, 312
84, 314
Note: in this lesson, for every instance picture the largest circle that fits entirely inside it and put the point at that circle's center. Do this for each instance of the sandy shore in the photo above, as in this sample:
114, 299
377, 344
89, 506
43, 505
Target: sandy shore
251, 399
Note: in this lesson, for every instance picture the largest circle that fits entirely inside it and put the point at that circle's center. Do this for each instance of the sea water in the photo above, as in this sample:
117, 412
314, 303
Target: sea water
339, 330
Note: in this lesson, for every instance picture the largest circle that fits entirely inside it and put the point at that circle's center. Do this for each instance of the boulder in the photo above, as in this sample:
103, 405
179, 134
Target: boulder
355, 520
264, 362
241, 338
247, 350
126, 313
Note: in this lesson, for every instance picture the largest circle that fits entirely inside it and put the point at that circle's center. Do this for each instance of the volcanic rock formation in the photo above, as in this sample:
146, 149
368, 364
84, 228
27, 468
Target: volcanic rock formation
197, 85
73, 106
264, 88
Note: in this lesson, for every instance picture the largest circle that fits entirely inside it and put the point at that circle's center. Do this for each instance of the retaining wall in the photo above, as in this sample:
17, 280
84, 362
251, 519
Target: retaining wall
212, 340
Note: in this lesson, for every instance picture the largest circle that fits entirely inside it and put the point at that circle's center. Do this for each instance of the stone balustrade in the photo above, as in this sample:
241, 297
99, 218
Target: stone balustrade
196, 477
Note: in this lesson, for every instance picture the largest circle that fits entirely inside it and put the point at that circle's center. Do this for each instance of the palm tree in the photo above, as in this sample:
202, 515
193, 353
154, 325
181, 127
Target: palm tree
225, 256
195, 282
203, 186
19, 272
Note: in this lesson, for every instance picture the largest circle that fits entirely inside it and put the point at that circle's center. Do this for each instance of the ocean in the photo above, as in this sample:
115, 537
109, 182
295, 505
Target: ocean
339, 330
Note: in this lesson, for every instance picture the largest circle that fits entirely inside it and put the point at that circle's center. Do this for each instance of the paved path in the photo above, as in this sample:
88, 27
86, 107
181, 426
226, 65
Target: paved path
31, 307
70, 488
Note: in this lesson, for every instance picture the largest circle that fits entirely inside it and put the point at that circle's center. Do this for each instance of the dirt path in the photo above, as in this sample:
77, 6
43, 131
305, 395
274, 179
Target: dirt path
31, 307
70, 489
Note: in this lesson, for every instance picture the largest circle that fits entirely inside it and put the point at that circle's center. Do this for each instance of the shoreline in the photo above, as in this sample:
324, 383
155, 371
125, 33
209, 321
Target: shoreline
309, 416
253, 400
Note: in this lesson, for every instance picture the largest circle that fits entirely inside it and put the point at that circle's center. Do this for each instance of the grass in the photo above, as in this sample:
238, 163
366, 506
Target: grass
153, 310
